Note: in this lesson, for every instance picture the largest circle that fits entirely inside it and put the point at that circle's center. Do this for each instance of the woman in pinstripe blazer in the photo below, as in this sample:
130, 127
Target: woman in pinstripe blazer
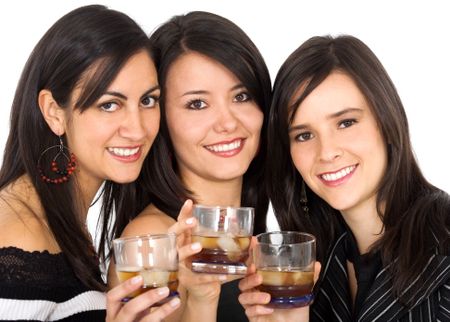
343, 169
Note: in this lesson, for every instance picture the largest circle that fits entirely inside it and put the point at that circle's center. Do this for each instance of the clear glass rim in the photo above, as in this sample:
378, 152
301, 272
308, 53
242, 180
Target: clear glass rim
144, 237
222, 207
298, 233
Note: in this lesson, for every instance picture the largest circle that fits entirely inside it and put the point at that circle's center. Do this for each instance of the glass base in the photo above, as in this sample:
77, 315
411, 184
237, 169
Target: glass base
217, 268
290, 302
163, 301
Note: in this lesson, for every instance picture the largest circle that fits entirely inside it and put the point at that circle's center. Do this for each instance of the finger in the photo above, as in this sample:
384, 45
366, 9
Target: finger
114, 296
251, 269
254, 298
185, 212
253, 242
249, 282
256, 310
317, 268
163, 311
185, 220
141, 303
189, 250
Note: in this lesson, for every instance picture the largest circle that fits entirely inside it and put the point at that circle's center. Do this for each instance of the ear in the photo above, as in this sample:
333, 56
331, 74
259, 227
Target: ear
53, 114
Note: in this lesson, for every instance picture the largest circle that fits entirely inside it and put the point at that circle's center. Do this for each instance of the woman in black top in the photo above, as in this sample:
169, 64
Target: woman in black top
85, 114
343, 169
215, 100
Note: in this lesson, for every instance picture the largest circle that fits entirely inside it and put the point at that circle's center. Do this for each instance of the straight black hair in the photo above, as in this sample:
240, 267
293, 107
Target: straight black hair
223, 41
415, 216
90, 39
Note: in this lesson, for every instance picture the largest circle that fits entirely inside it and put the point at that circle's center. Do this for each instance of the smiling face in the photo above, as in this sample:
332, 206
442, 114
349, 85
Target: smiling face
111, 138
214, 124
336, 145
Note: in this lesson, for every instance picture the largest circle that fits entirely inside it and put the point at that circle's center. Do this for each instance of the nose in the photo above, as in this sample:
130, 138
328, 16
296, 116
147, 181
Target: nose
329, 149
226, 121
132, 126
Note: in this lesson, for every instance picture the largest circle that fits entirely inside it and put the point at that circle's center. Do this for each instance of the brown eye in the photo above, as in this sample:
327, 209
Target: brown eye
242, 97
196, 104
149, 101
302, 137
109, 106
346, 123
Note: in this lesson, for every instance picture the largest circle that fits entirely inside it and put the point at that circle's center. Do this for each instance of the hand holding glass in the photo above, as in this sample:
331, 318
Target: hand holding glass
154, 257
225, 234
285, 260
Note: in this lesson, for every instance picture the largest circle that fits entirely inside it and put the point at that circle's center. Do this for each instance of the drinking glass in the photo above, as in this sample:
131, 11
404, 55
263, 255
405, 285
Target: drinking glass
225, 234
285, 260
154, 257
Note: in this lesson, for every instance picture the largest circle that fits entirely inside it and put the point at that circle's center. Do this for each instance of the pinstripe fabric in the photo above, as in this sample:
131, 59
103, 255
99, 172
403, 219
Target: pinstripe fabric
333, 300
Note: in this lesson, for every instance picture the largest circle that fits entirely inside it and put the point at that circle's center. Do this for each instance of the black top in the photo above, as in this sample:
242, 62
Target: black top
333, 301
26, 277
230, 310
367, 266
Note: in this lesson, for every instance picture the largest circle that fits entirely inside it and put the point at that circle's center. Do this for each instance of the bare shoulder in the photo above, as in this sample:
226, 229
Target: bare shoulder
23, 225
150, 221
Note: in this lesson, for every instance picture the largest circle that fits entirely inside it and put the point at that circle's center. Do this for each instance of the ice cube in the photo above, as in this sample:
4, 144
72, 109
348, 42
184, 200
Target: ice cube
155, 278
244, 242
228, 244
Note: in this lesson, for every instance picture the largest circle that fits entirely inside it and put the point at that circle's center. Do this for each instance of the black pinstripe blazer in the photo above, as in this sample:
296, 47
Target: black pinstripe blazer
333, 300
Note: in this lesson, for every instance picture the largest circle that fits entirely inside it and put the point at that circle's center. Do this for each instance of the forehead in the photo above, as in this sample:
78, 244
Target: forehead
337, 90
198, 68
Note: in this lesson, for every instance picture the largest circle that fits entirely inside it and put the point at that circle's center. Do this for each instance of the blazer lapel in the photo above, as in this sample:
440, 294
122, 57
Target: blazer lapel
382, 305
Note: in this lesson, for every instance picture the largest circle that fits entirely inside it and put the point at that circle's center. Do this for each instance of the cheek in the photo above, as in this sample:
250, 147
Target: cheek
152, 123
254, 119
300, 159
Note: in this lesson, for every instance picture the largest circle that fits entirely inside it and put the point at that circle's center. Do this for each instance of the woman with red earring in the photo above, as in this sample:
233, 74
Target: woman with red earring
85, 114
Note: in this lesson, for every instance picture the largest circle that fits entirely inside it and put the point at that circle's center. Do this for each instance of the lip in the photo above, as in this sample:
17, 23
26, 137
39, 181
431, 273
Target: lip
226, 152
338, 181
126, 158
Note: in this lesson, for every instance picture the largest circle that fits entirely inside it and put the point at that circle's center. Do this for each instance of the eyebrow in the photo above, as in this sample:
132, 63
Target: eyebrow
124, 97
344, 111
331, 116
199, 92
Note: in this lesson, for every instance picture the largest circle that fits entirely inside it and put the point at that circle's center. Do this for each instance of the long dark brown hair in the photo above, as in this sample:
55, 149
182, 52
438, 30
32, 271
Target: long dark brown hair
416, 214
223, 41
75, 43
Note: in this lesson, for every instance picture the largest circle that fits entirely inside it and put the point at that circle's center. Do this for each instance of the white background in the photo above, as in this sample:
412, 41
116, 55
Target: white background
409, 37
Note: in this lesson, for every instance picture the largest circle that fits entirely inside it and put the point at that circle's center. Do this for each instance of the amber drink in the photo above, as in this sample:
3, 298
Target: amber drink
154, 257
225, 234
285, 260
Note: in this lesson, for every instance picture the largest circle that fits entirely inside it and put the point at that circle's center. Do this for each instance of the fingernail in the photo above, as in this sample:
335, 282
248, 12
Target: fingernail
196, 246
163, 291
190, 221
175, 302
136, 279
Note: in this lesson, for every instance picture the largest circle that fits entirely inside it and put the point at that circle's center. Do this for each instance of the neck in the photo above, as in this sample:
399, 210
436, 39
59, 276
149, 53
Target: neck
365, 224
88, 188
215, 193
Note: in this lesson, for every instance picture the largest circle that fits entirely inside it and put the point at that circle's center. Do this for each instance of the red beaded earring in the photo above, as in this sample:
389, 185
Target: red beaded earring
61, 158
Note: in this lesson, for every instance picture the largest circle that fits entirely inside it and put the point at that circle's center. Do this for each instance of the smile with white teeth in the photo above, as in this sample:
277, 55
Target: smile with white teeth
224, 147
338, 175
123, 152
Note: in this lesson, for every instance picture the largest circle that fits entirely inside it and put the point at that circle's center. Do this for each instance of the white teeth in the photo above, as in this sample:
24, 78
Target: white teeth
224, 147
123, 152
337, 175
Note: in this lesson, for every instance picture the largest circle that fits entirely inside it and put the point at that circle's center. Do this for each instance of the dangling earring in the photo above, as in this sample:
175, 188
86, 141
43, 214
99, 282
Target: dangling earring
58, 175
304, 199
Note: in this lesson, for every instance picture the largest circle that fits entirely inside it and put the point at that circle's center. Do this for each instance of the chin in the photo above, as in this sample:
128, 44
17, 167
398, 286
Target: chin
124, 179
